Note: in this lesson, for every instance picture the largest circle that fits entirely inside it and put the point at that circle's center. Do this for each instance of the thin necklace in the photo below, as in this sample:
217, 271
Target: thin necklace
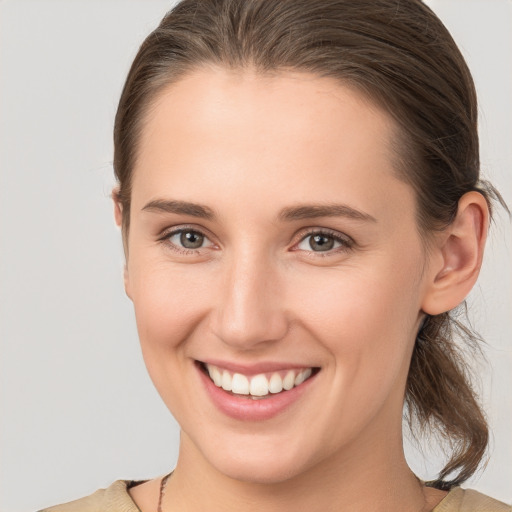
163, 483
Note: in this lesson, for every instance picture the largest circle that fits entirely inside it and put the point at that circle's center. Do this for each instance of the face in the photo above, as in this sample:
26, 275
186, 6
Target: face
271, 243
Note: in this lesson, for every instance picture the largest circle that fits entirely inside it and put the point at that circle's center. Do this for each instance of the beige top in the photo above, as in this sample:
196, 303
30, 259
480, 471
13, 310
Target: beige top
116, 499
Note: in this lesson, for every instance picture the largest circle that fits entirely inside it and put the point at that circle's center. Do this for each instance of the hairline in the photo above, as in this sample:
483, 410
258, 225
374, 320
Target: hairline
399, 152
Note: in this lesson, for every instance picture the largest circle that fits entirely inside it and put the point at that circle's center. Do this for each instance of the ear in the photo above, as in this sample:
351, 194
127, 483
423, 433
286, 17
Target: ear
126, 280
118, 216
118, 207
456, 258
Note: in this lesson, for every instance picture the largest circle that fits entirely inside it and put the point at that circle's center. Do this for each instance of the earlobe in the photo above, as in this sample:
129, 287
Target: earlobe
126, 280
458, 257
118, 216
118, 207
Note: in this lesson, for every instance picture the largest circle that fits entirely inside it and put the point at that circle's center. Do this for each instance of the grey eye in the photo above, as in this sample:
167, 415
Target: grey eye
321, 242
189, 239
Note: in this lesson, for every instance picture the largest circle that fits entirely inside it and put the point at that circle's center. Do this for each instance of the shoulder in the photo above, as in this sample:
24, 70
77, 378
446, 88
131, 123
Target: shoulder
467, 500
114, 498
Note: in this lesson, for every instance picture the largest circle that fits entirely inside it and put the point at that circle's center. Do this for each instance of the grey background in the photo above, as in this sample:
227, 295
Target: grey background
77, 408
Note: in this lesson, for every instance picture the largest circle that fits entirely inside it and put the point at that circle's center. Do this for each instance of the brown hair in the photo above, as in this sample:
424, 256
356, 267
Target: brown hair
399, 54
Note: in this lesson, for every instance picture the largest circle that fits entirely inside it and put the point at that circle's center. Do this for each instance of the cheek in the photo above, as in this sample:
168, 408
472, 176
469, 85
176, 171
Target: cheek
170, 303
365, 317
353, 303
169, 300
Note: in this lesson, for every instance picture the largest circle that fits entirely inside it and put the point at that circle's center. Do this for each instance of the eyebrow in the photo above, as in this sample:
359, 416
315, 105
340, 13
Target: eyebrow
328, 210
180, 207
290, 213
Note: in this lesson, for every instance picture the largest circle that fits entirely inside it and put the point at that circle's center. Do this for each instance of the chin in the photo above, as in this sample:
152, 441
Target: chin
257, 473
260, 466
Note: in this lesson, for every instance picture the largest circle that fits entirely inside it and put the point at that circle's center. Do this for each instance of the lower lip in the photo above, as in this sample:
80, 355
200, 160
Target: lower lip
247, 409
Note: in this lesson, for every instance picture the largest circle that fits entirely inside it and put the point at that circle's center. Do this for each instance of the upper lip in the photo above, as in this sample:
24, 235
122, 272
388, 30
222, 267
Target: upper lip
255, 368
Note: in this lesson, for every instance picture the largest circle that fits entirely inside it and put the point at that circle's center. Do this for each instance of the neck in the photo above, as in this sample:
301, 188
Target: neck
375, 478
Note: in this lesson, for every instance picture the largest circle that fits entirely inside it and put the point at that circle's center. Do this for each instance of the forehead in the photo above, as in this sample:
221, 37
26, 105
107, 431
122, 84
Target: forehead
304, 136
282, 104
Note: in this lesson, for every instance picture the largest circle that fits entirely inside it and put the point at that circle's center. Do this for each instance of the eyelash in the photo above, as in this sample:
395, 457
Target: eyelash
346, 243
166, 236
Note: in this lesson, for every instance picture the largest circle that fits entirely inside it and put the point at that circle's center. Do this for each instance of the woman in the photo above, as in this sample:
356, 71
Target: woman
301, 209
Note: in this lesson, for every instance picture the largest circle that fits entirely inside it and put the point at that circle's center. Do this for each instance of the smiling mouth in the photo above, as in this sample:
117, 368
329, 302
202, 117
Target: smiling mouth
260, 386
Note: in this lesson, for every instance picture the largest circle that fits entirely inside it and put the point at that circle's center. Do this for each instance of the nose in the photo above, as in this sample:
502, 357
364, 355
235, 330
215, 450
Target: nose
250, 311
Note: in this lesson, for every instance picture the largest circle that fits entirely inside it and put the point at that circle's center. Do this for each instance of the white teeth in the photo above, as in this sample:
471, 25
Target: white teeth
240, 384
226, 381
276, 383
215, 375
289, 380
299, 379
258, 385
302, 376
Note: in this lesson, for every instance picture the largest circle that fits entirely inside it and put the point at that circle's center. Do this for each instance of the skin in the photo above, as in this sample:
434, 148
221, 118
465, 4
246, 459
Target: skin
248, 146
